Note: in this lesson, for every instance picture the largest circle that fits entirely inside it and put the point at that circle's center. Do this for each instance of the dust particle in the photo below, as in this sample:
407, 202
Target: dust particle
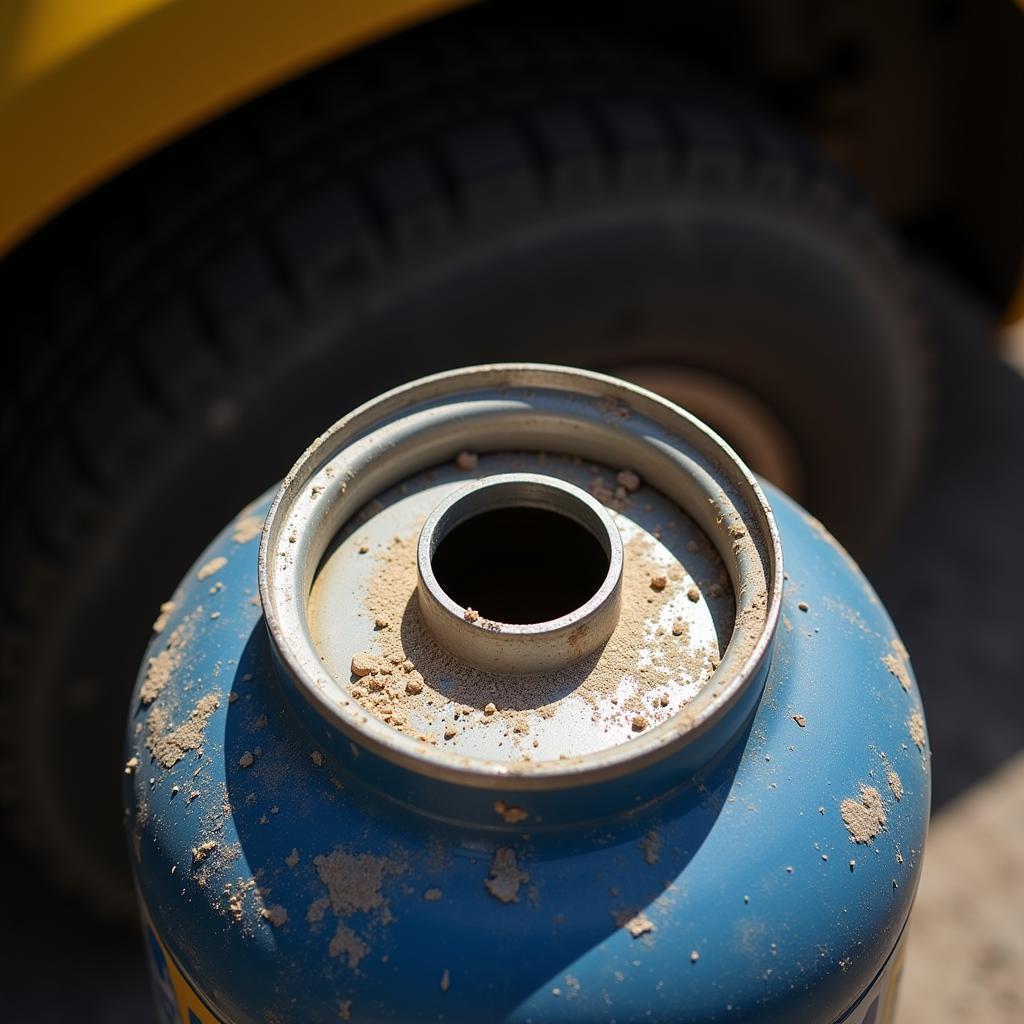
246, 529
247, 760
170, 746
446, 979
659, 583
165, 613
489, 708
895, 782
639, 723
380, 622
693, 594
636, 924
275, 914
694, 956
467, 460
433, 895
212, 566
293, 858
317, 758
800, 720
506, 877
864, 818
471, 615
915, 723
678, 627
414, 685
628, 479
131, 765
450, 732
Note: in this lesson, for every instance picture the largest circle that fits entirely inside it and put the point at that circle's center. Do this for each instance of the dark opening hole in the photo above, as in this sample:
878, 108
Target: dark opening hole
520, 565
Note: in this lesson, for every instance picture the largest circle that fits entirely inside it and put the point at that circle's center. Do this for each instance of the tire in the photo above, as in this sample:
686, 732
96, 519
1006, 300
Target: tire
439, 200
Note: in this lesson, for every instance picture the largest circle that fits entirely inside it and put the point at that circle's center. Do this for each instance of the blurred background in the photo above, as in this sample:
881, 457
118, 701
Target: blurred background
223, 225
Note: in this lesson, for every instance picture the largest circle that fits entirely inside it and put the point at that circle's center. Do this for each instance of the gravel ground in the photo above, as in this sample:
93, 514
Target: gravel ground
951, 579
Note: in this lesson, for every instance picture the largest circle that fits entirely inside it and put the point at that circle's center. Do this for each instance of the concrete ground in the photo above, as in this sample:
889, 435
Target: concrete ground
951, 578
966, 950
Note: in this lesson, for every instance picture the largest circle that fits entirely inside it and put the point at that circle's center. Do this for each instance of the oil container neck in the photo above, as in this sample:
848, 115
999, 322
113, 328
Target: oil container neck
373, 562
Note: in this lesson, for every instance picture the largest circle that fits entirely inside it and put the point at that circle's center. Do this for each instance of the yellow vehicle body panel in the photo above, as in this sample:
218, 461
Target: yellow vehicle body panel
89, 87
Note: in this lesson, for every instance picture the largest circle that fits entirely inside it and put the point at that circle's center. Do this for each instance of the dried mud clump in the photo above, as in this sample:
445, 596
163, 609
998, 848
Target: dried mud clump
212, 566
511, 814
506, 876
202, 851
363, 664
246, 529
637, 923
628, 479
915, 724
651, 846
864, 818
895, 783
897, 664
353, 883
276, 915
169, 746
160, 624
162, 666
346, 943
893, 778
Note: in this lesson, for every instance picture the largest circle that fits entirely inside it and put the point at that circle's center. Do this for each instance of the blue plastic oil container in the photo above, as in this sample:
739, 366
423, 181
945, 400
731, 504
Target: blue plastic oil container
506, 708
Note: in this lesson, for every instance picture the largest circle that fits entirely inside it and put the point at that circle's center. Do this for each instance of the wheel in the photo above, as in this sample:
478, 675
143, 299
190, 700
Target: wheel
438, 200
